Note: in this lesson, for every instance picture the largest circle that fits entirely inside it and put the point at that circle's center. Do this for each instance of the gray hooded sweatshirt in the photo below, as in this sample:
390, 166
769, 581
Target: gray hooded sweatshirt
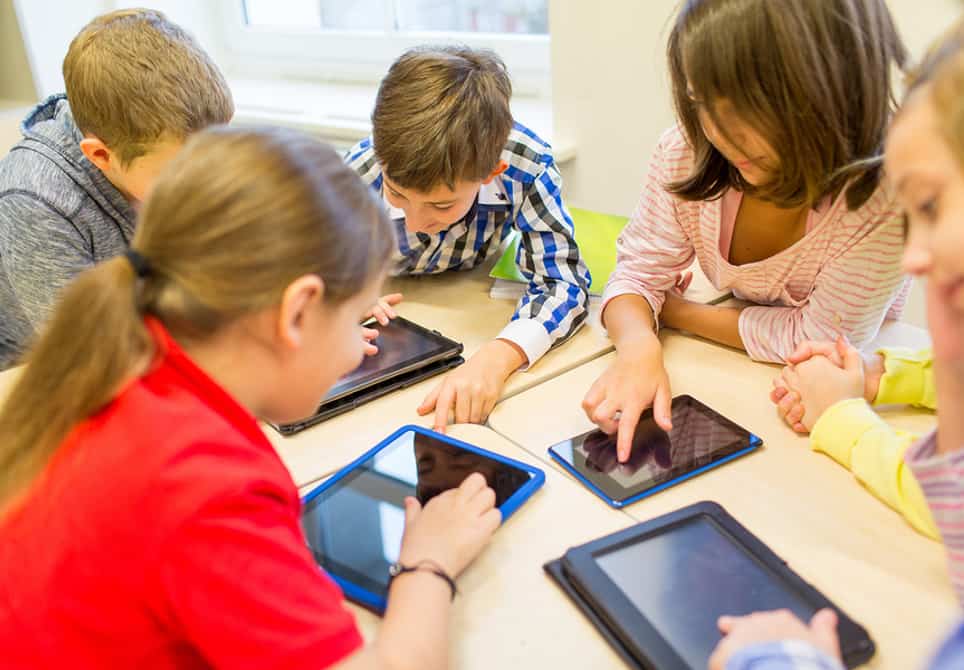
59, 215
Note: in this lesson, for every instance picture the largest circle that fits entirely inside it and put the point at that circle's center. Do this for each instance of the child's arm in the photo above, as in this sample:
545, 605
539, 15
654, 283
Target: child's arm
651, 251
42, 253
556, 299
845, 428
852, 434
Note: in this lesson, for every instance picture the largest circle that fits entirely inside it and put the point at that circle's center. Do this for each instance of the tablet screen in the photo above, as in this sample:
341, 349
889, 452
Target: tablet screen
401, 347
687, 576
699, 437
354, 528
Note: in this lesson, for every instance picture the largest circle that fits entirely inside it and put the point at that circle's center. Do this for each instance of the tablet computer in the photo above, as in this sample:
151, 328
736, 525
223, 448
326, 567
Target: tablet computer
701, 439
354, 521
407, 354
658, 588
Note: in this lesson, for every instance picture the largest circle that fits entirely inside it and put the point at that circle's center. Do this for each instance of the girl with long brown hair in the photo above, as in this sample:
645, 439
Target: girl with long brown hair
772, 180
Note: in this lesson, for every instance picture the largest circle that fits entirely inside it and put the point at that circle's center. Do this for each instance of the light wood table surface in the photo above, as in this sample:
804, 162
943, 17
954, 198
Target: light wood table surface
806, 507
509, 614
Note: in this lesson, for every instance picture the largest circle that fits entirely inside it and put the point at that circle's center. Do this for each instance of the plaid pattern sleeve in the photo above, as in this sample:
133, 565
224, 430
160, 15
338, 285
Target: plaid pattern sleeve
526, 197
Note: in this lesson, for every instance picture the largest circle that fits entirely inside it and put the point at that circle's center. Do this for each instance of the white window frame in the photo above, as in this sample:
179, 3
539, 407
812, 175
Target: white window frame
363, 56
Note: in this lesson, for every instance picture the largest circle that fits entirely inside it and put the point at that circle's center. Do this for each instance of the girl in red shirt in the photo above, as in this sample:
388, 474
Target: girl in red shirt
146, 520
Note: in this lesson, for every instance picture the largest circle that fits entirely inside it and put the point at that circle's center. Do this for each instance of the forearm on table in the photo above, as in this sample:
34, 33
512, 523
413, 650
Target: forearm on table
415, 632
714, 322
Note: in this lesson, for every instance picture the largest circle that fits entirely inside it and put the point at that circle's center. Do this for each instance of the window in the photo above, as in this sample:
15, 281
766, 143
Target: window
358, 40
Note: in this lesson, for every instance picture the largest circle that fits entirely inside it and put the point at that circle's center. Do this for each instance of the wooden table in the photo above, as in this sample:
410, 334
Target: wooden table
509, 613
811, 511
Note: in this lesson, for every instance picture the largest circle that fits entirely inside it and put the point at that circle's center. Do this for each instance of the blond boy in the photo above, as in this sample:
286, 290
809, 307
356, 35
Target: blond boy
137, 86
459, 176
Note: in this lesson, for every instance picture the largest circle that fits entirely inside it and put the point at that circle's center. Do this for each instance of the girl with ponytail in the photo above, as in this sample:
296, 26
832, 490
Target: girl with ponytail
146, 520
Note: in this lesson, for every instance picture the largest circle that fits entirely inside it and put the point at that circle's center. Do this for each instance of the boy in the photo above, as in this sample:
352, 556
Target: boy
458, 176
137, 86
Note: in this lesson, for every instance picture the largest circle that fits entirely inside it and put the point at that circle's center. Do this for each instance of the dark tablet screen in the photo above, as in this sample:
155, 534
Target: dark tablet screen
685, 577
402, 346
354, 528
699, 437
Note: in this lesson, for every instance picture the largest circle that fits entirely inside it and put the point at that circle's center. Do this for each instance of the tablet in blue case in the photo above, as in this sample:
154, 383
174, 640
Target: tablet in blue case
701, 439
354, 521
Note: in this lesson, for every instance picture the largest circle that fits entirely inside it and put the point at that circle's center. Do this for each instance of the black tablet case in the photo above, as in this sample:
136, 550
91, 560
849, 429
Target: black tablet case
557, 573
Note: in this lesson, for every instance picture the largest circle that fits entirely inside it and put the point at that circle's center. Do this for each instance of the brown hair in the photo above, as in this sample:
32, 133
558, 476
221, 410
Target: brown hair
442, 116
133, 78
232, 221
813, 77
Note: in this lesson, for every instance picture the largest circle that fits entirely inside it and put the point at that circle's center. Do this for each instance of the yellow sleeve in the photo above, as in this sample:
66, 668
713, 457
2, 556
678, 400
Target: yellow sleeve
852, 434
908, 378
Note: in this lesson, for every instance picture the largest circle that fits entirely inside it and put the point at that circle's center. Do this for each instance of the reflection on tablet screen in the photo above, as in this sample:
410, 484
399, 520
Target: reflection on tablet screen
399, 347
699, 436
354, 528
687, 576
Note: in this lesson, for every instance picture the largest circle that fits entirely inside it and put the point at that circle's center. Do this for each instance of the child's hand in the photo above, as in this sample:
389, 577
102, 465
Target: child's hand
369, 335
472, 389
763, 627
383, 309
452, 528
817, 383
635, 380
873, 364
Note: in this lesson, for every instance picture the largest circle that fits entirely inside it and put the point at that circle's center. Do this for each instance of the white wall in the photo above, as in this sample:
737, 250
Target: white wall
16, 83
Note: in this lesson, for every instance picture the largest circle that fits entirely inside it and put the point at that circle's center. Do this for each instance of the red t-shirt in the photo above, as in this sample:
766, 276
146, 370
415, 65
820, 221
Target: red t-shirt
165, 533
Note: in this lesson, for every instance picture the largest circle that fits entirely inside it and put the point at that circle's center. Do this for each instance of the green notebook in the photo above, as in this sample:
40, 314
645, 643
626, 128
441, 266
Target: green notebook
596, 235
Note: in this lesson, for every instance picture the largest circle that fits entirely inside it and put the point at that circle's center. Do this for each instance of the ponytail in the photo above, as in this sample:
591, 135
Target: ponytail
95, 341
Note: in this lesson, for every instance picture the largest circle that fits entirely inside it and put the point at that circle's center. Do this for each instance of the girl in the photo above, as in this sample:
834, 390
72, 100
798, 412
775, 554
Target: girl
146, 519
925, 157
773, 182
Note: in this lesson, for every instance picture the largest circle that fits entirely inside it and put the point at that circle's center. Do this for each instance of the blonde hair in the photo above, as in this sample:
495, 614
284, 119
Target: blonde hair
943, 69
232, 221
813, 77
133, 78
442, 116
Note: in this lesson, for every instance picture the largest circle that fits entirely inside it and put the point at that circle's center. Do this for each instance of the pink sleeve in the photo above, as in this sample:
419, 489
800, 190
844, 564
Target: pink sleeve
941, 478
851, 296
653, 247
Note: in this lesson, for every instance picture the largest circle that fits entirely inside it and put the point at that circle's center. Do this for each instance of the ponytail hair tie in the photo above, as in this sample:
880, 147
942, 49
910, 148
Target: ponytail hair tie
141, 267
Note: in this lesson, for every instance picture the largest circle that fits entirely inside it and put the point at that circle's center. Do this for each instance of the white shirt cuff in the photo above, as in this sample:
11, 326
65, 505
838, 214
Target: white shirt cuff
530, 336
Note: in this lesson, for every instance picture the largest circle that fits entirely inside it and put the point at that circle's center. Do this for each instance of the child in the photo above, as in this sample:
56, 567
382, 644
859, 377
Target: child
137, 86
146, 519
772, 181
459, 176
925, 156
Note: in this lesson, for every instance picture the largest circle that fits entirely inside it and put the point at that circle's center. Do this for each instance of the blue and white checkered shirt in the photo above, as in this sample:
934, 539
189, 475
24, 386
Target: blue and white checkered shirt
526, 197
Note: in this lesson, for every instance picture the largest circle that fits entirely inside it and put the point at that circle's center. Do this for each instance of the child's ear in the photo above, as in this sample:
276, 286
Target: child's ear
302, 296
98, 153
500, 168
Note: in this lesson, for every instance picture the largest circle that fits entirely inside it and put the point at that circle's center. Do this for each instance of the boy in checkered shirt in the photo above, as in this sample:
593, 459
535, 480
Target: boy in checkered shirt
458, 175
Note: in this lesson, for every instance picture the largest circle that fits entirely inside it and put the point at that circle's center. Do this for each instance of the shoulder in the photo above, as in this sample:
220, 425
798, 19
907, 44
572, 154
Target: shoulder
526, 154
183, 456
29, 178
361, 158
673, 156
881, 214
